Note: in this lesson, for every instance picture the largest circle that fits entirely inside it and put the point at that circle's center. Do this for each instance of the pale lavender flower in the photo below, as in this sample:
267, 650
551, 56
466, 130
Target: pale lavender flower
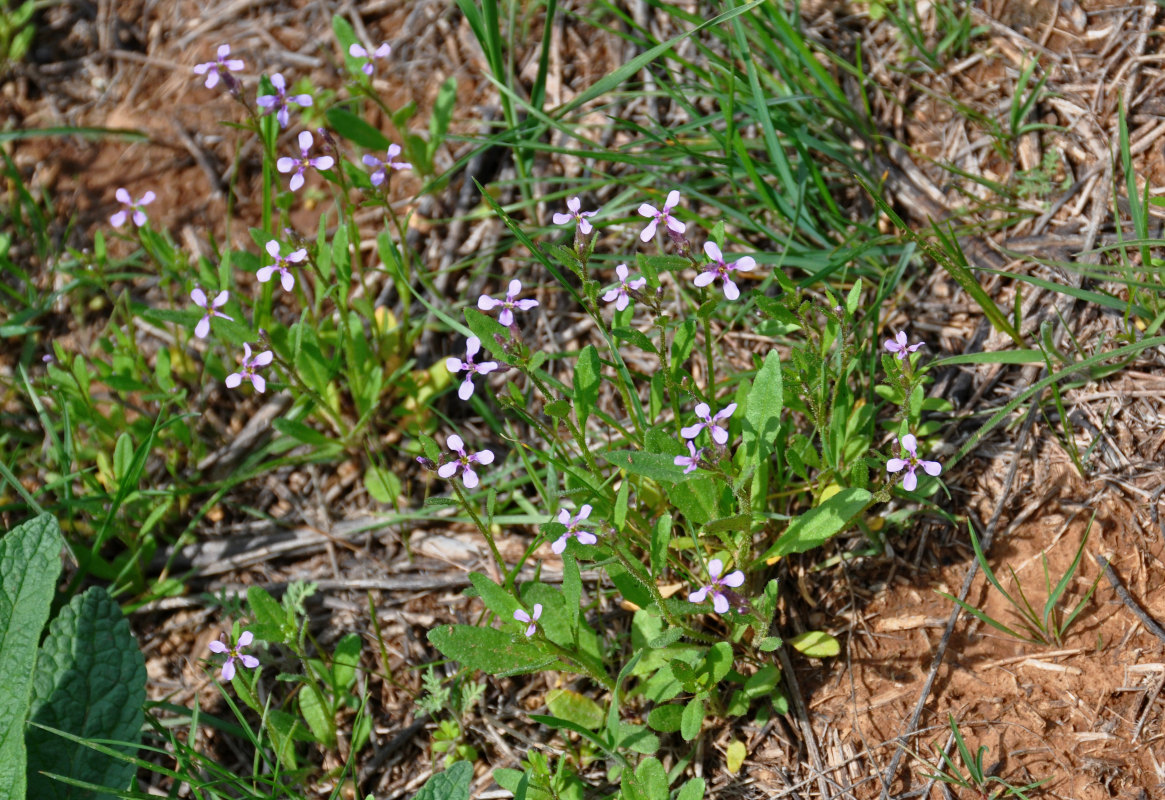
723, 271
619, 295
574, 529
898, 346
356, 51
690, 462
287, 164
719, 433
716, 586
139, 216
464, 462
487, 303
281, 265
221, 66
661, 217
236, 652
522, 616
279, 101
455, 365
211, 308
382, 167
911, 463
573, 204
247, 370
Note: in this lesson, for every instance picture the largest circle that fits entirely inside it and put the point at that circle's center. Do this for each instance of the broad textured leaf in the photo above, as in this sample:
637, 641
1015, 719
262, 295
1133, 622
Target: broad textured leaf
692, 790
489, 650
345, 660
90, 681
651, 779
575, 707
692, 719
657, 466
315, 712
816, 525
355, 129
587, 377
762, 413
452, 784
30, 561
666, 718
496, 599
816, 644
660, 538
271, 621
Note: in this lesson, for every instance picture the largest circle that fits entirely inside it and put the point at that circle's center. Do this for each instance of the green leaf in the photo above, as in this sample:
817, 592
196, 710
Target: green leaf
345, 660
693, 718
651, 779
315, 713
637, 338
382, 485
816, 644
490, 650
762, 413
122, 456
496, 599
667, 638
30, 561
575, 707
488, 330
657, 466
692, 790
587, 377
90, 681
762, 682
666, 718
452, 784
816, 525
660, 537
355, 129
271, 621
442, 113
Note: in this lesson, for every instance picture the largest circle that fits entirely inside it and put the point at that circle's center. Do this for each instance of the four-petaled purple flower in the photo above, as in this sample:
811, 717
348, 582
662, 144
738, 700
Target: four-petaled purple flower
464, 462
382, 167
247, 371
522, 616
221, 66
211, 308
287, 164
911, 463
573, 204
487, 303
281, 265
663, 217
719, 433
228, 669
898, 346
455, 365
619, 294
716, 587
574, 529
723, 271
139, 216
279, 101
356, 51
690, 462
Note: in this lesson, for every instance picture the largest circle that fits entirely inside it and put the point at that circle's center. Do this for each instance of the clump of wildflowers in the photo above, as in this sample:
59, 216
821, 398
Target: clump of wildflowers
222, 67
139, 216
716, 586
703, 411
356, 51
471, 368
202, 329
574, 529
228, 668
619, 295
661, 217
382, 167
287, 164
464, 462
281, 265
719, 269
690, 462
506, 317
280, 101
574, 205
911, 463
898, 346
248, 367
522, 616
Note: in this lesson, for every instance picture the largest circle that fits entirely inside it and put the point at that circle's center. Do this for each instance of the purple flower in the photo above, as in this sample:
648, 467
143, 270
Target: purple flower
455, 365
691, 462
139, 216
573, 529
718, 269
898, 346
716, 587
249, 365
199, 297
356, 51
719, 434
219, 67
228, 669
663, 217
379, 176
487, 303
583, 224
281, 266
522, 616
911, 463
464, 462
619, 294
287, 164
279, 101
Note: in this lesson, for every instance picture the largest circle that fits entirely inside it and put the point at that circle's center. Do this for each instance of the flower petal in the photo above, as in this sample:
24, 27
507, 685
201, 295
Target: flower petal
648, 232
537, 611
259, 382
704, 278
448, 470
586, 537
469, 478
702, 410
305, 140
715, 567
485, 456
932, 468
453, 364
720, 603
910, 444
123, 197
233, 380
692, 431
895, 465
673, 199
712, 251
561, 219
472, 346
217, 647
250, 662
731, 291
910, 481
698, 595
465, 391
263, 359
202, 328
733, 579
559, 545
454, 442
487, 303
228, 670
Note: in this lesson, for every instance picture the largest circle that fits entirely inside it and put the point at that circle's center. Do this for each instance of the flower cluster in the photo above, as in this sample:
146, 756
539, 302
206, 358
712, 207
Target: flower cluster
717, 586
912, 462
573, 529
280, 102
471, 368
235, 653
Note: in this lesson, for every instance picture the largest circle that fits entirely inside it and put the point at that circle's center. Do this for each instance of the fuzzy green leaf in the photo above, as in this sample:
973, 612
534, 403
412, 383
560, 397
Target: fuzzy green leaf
816, 525
575, 707
452, 784
587, 377
490, 650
